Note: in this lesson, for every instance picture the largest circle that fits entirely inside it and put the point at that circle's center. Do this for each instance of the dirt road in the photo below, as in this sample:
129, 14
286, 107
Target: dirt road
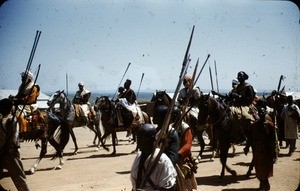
91, 170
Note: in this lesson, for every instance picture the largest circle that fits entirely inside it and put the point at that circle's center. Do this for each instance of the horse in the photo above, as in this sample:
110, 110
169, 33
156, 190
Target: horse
109, 120
220, 116
67, 116
42, 126
161, 98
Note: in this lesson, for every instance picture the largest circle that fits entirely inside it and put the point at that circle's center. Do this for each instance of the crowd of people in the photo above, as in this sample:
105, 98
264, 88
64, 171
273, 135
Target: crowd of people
164, 160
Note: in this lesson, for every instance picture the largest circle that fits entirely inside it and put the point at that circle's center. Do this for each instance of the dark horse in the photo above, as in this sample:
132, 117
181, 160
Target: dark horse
44, 126
67, 116
109, 120
220, 116
161, 98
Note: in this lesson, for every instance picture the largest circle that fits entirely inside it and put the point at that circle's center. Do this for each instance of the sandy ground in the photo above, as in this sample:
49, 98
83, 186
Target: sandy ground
91, 170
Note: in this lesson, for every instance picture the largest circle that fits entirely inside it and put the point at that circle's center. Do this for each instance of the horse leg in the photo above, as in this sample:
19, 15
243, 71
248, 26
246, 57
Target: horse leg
251, 166
201, 143
224, 148
74, 139
42, 154
114, 137
106, 133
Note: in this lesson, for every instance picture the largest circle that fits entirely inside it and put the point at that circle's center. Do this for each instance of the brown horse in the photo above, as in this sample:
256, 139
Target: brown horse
109, 120
42, 126
68, 117
220, 117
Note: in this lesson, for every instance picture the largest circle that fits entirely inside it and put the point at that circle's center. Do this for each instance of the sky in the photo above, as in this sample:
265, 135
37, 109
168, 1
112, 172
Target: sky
93, 41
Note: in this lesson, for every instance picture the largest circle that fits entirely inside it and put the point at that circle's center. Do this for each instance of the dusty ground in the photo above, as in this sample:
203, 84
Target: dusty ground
90, 170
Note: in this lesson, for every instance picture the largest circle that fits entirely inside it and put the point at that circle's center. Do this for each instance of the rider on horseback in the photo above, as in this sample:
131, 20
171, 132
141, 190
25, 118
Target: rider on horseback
26, 99
127, 100
190, 94
81, 102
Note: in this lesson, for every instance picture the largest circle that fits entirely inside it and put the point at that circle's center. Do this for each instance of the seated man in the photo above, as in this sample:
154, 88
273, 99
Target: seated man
26, 99
81, 101
127, 100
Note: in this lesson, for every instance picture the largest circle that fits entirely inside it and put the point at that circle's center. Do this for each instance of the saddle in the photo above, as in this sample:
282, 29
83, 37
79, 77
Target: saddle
35, 121
83, 112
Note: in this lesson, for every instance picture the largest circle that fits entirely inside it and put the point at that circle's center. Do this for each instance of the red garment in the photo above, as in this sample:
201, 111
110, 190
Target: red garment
185, 144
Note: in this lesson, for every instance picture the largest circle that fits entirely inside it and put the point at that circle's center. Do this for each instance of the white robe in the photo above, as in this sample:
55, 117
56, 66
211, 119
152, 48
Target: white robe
163, 175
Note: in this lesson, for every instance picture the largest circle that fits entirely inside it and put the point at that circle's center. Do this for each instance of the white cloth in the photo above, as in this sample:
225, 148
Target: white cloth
290, 124
128, 106
163, 175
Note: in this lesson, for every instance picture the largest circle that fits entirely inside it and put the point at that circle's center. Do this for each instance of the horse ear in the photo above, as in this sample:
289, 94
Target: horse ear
62, 91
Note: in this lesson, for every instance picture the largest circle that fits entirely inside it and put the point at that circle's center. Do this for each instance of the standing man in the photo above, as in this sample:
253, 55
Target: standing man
187, 166
265, 150
163, 176
291, 114
9, 145
26, 99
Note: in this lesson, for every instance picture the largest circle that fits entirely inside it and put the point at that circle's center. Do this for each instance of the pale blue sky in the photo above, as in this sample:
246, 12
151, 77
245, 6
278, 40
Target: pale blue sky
93, 41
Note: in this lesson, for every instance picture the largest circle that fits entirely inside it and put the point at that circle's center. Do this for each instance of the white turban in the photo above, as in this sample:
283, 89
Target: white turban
29, 75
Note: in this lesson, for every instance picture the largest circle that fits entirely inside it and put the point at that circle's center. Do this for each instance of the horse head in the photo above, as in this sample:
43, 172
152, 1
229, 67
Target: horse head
161, 98
103, 103
204, 108
57, 97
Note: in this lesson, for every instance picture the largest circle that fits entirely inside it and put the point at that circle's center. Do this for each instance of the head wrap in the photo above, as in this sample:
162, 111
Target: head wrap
188, 79
80, 84
242, 75
29, 75
128, 82
235, 81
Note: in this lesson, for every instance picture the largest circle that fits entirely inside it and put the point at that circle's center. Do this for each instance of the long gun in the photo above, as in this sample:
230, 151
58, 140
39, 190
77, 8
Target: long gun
195, 81
151, 167
121, 79
279, 84
28, 66
35, 43
216, 76
211, 80
137, 95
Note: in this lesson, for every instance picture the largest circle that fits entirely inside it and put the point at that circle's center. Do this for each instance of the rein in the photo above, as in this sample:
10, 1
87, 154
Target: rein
222, 117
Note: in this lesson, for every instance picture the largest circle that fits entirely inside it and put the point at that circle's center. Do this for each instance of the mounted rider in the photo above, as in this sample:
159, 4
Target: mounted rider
26, 100
81, 102
191, 94
243, 97
126, 99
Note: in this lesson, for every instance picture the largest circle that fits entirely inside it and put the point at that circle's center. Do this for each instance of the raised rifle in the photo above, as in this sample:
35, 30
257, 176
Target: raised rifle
121, 79
165, 125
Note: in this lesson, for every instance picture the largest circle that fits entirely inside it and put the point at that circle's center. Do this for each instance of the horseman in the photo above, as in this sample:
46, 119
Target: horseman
189, 96
243, 97
126, 99
26, 99
81, 102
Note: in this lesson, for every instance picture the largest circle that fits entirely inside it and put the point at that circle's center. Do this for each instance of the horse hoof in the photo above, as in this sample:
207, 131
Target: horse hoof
134, 151
59, 167
212, 159
199, 157
233, 173
31, 171
97, 149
